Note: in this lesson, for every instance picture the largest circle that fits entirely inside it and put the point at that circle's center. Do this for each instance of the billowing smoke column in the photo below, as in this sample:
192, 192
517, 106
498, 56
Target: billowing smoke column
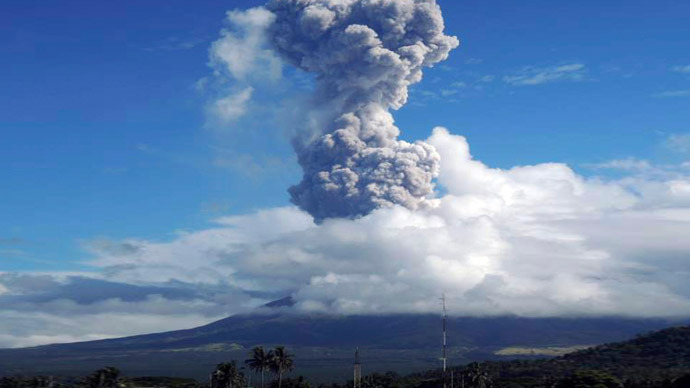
365, 54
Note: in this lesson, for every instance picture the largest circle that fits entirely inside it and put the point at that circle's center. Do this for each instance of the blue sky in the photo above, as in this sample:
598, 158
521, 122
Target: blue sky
104, 133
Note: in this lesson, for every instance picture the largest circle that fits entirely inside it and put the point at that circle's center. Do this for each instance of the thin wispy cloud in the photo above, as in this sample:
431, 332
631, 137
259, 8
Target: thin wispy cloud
11, 241
12, 253
627, 164
231, 107
679, 143
642, 170
681, 69
672, 94
174, 43
471, 83
529, 76
253, 165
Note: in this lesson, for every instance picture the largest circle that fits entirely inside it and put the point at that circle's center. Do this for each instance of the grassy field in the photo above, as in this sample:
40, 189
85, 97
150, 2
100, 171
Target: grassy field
549, 351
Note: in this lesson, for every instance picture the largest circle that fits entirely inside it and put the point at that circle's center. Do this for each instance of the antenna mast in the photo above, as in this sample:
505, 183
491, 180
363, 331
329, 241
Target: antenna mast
357, 382
443, 304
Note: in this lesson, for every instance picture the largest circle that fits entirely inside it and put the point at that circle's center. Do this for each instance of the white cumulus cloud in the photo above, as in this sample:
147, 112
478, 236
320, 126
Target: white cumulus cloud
533, 241
241, 50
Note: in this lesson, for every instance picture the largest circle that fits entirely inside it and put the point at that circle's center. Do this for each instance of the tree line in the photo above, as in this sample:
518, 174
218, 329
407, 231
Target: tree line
228, 375
276, 361
657, 360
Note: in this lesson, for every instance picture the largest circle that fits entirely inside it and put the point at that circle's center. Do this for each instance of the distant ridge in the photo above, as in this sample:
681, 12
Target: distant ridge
324, 344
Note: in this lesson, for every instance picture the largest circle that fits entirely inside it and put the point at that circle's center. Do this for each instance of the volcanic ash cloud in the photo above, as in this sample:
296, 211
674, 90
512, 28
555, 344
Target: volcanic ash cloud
365, 54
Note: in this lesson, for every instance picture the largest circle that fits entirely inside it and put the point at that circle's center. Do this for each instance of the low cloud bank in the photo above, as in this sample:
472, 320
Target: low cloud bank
533, 241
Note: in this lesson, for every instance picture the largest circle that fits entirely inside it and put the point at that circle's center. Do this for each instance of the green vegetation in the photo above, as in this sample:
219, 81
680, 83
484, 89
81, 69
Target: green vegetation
589, 378
159, 381
278, 361
260, 361
227, 375
658, 356
656, 360
281, 363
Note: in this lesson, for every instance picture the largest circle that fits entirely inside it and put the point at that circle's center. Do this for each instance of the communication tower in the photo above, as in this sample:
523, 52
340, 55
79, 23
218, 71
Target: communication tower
358, 371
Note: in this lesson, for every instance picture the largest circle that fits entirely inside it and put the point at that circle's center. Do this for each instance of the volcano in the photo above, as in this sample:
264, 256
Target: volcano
324, 345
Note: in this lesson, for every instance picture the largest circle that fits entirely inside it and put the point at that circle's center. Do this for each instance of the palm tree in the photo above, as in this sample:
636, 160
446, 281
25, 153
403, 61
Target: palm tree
9, 382
227, 375
260, 361
281, 362
103, 378
477, 376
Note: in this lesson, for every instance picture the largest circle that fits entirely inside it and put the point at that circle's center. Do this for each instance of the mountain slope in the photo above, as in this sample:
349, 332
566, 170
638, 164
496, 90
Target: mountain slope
667, 349
656, 360
323, 344
656, 356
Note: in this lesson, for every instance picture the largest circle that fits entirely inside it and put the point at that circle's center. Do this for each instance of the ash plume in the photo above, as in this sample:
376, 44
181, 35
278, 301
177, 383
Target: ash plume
365, 54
